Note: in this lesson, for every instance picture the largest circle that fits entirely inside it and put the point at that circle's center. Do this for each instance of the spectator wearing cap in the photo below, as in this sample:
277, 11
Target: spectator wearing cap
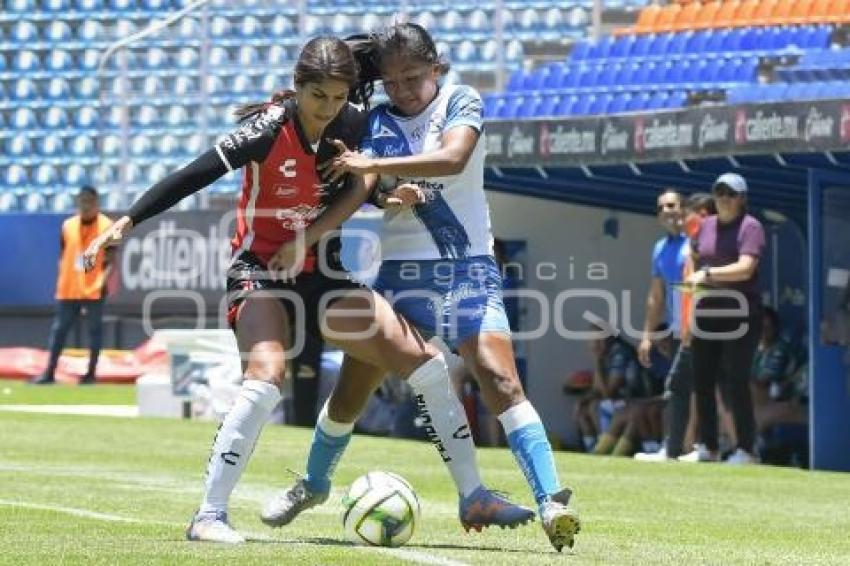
724, 342
76, 289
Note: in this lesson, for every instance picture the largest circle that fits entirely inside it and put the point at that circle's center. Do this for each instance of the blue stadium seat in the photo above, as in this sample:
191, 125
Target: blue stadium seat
188, 28
111, 146
492, 102
25, 90
641, 45
58, 89
618, 105
582, 107
696, 43
25, 32
528, 107
168, 146
81, 146
600, 48
88, 87
91, 31
555, 76
242, 84
715, 40
183, 86
187, 58
58, 31
55, 5
678, 43
59, 60
119, 6
511, 107
146, 116
547, 106
194, 144
16, 176
26, 61
748, 69
23, 119
89, 59
152, 86
250, 27
219, 57
219, 27
45, 175
19, 146
489, 51
103, 175
477, 21
622, 46
732, 40
51, 146
465, 52
566, 105
660, 44
677, 99
2, 62
247, 56
658, 100
140, 145
89, 5
156, 58
213, 84
75, 175
516, 82
580, 51
514, 50
281, 26
177, 116
154, 5
750, 38
124, 28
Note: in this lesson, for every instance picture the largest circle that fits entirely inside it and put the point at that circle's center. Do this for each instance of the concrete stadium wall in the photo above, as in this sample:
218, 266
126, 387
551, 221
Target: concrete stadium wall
571, 238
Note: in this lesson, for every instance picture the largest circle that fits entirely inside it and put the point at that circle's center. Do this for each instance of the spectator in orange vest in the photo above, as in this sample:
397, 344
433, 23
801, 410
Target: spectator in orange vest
75, 288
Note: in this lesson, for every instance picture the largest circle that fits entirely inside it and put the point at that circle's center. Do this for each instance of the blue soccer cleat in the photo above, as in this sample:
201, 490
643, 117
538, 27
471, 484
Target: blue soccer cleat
484, 508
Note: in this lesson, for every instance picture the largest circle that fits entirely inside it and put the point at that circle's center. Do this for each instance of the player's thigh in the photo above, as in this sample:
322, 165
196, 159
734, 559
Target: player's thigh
364, 325
261, 330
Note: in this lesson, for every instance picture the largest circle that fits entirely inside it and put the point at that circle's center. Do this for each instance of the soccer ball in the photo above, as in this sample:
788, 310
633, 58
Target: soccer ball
380, 509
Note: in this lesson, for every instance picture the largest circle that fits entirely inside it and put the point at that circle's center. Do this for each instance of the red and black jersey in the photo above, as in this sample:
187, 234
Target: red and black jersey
282, 191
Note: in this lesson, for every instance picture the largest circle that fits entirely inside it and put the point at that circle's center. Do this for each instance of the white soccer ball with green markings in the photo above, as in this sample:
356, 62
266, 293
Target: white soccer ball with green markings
380, 509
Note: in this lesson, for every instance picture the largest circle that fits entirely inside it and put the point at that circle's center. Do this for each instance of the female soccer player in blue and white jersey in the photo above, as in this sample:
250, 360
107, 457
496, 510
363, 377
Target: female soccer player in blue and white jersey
424, 153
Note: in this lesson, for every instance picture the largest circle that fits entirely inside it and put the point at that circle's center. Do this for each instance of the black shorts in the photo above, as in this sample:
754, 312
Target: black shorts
301, 298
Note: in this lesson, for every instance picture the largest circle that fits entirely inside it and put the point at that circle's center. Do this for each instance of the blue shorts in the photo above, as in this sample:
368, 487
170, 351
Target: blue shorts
452, 299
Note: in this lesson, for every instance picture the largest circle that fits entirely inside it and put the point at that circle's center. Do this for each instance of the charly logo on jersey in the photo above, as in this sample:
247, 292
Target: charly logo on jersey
288, 168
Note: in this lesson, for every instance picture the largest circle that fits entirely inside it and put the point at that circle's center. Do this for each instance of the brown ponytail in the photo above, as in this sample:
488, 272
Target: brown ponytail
321, 58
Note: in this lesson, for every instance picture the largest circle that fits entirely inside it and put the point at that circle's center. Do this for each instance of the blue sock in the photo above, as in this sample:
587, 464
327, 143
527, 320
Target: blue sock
329, 441
531, 448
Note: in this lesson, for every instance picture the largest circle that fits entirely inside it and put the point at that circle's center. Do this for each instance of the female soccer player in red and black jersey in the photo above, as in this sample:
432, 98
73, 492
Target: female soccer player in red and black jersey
283, 202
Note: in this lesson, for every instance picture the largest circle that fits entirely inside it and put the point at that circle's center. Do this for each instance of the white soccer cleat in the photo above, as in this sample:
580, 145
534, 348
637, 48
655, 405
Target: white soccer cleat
283, 508
660, 456
741, 457
213, 527
560, 522
699, 454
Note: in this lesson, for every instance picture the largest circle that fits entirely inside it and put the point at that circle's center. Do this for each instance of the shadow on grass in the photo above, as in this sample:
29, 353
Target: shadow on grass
323, 541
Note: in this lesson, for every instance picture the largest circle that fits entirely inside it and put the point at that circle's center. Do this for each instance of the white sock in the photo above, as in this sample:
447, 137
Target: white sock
445, 423
235, 441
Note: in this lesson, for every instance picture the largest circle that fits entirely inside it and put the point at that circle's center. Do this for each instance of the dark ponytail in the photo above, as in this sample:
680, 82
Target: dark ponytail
321, 58
364, 48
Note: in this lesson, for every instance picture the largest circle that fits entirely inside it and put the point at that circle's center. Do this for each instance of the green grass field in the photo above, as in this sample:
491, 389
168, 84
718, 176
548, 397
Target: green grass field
104, 490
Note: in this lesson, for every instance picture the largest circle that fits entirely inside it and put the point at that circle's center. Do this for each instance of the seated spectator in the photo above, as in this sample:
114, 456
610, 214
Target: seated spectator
780, 395
645, 424
616, 375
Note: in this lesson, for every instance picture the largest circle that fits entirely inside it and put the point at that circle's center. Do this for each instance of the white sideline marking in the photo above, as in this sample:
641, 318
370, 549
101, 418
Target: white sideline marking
87, 410
81, 513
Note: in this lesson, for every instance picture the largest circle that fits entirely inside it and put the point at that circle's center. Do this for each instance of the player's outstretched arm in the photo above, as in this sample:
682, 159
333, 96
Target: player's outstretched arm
163, 195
